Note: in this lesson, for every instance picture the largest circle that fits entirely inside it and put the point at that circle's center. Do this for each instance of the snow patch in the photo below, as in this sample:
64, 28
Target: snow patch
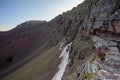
61, 46
65, 60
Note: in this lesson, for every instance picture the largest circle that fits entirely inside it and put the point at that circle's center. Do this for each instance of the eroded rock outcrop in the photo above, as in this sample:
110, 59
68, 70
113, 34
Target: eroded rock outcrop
95, 51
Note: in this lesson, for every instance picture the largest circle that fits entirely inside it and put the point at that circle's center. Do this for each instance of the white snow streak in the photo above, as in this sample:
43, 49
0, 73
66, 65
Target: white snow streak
65, 60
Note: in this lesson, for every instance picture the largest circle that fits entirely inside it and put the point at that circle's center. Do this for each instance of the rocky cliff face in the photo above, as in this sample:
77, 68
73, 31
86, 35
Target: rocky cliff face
94, 28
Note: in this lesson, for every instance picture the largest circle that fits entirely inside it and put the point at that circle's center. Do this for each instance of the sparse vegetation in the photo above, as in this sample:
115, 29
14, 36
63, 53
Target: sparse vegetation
9, 59
94, 58
87, 76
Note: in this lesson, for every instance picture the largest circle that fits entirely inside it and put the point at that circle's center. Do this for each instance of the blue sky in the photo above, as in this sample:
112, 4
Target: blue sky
14, 12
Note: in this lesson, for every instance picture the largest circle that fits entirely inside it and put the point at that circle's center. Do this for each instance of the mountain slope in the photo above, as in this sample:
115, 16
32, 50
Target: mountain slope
19, 43
40, 68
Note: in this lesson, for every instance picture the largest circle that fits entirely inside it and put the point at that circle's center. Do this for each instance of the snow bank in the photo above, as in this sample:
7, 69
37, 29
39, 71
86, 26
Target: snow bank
65, 60
61, 46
